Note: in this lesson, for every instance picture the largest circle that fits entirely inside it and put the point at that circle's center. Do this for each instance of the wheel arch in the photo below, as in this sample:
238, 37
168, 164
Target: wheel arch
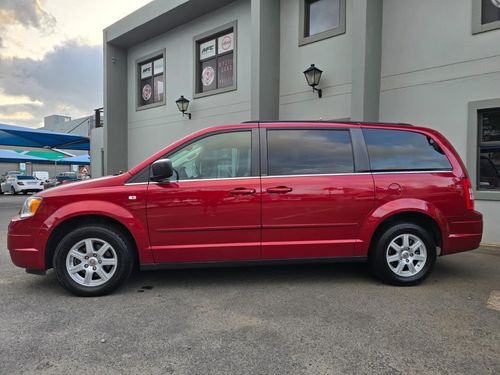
415, 217
65, 226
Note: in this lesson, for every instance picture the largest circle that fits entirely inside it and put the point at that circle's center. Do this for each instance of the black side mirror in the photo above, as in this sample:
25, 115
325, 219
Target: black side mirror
161, 170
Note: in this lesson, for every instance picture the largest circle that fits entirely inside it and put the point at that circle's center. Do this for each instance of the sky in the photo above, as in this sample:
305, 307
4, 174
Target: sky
51, 56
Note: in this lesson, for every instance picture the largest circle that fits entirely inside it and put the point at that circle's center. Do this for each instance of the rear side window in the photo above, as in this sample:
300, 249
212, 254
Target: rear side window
399, 150
311, 151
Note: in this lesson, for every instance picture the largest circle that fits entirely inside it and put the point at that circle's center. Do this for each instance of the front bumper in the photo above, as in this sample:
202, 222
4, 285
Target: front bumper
25, 248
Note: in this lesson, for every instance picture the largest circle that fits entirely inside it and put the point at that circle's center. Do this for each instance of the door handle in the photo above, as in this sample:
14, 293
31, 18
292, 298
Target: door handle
242, 191
279, 190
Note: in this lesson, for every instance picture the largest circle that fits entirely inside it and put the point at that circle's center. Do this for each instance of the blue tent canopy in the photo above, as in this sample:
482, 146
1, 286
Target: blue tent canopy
76, 160
19, 136
9, 156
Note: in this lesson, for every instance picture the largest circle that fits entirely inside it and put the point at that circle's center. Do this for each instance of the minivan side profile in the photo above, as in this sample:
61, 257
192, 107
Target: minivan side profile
397, 196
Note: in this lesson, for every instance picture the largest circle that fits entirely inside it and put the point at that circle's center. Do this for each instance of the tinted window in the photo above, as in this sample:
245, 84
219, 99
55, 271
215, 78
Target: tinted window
296, 152
399, 150
489, 149
25, 178
224, 155
490, 11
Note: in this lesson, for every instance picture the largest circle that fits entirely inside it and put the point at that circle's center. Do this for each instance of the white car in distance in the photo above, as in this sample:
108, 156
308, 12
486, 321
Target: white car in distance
21, 184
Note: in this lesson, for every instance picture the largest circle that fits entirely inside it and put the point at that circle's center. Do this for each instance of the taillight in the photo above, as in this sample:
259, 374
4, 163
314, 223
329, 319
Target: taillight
20, 183
469, 193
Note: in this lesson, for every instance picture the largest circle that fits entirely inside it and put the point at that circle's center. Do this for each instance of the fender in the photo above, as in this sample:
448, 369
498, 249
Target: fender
102, 208
386, 210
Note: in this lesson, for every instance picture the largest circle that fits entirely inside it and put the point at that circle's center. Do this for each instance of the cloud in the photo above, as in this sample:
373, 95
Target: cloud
28, 13
67, 81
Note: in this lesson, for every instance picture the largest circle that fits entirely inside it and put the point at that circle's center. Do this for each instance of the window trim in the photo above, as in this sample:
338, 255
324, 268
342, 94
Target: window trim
196, 55
477, 26
339, 30
264, 152
139, 61
473, 133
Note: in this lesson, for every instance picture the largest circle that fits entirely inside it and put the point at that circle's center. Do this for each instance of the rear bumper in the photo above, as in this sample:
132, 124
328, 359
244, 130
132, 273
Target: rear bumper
24, 246
465, 233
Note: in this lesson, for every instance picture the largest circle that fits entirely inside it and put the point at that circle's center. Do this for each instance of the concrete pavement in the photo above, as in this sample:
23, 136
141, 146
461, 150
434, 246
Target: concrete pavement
314, 319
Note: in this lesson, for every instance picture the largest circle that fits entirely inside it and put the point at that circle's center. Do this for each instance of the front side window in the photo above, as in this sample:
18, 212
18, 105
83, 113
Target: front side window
489, 149
399, 150
485, 15
215, 62
311, 151
151, 81
321, 19
224, 155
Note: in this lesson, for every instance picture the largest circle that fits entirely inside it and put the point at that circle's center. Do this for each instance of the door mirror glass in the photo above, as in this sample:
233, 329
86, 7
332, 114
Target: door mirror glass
161, 170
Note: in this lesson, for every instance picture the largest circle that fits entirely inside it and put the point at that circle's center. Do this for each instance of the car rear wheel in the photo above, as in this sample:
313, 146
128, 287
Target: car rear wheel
404, 254
93, 260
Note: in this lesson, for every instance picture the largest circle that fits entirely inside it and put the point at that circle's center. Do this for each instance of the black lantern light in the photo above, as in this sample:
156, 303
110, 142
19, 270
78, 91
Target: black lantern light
183, 104
313, 76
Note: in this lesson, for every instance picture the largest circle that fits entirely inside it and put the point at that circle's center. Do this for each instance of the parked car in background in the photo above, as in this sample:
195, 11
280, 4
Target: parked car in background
21, 184
41, 175
9, 173
66, 178
396, 196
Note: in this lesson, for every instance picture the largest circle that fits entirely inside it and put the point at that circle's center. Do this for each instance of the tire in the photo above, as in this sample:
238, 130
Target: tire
12, 190
411, 263
93, 275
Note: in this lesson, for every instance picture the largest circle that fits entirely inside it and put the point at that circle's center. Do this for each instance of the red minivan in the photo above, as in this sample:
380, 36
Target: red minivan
396, 196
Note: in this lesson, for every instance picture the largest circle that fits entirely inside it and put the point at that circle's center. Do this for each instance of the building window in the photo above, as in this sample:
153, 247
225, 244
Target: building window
215, 65
485, 15
151, 78
321, 19
488, 173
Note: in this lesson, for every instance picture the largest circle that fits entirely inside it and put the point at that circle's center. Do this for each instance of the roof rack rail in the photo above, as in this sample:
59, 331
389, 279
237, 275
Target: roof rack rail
329, 122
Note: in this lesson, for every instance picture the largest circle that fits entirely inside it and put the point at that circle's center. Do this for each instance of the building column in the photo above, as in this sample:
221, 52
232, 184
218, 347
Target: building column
265, 63
115, 109
366, 26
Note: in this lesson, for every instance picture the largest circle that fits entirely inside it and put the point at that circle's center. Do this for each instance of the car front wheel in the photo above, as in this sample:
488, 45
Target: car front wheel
93, 260
404, 254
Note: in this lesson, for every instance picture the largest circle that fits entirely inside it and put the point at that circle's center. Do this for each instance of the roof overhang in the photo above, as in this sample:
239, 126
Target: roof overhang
157, 18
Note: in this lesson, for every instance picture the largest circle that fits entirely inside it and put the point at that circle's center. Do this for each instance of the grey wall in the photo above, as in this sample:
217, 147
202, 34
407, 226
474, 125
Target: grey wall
96, 152
152, 129
333, 56
432, 69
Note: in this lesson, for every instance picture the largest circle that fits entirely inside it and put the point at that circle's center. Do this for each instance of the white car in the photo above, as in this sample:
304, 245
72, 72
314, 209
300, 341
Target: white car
21, 184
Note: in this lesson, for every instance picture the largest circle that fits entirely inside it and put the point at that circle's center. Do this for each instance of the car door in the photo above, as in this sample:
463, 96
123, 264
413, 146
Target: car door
313, 195
211, 210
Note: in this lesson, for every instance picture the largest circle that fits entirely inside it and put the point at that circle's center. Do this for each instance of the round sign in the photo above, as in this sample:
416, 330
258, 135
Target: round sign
146, 92
207, 76
496, 3
226, 42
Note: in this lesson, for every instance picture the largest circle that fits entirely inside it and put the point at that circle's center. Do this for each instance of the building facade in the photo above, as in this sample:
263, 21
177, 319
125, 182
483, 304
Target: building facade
431, 63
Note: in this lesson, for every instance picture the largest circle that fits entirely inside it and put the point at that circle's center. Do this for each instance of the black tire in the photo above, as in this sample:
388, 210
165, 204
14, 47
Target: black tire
378, 255
121, 246
12, 190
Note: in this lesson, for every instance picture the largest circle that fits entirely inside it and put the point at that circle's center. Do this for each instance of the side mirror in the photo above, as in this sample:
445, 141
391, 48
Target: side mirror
161, 170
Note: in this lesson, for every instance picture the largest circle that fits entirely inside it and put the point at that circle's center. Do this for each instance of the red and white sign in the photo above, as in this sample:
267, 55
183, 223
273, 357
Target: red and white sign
226, 43
146, 92
207, 76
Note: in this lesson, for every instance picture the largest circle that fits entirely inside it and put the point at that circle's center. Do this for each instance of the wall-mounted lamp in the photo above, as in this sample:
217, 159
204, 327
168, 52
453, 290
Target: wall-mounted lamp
183, 104
313, 76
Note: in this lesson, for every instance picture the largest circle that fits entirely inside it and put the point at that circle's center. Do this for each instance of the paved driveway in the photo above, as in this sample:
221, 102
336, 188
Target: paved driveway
314, 319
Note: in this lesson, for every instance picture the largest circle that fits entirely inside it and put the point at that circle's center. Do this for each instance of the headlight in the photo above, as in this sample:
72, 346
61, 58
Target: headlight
30, 206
